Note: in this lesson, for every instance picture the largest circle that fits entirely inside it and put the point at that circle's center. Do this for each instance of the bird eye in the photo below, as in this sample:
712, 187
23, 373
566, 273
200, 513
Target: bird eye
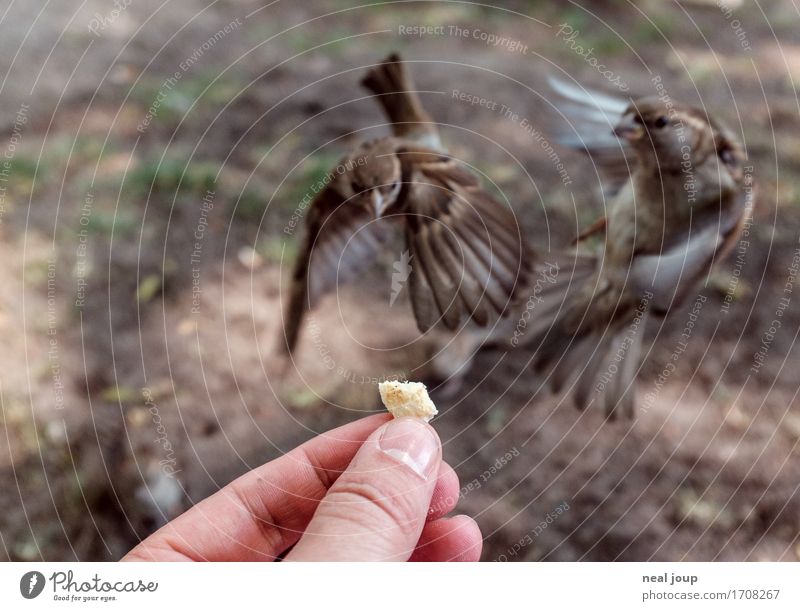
727, 156
661, 122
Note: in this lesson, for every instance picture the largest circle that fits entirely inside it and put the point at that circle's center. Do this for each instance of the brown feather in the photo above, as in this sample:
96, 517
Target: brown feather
394, 91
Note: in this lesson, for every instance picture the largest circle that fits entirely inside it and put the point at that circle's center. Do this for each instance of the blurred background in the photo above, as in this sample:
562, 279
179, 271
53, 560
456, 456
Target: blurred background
153, 156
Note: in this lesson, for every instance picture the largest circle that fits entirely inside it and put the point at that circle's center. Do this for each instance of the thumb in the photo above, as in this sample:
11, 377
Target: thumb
377, 507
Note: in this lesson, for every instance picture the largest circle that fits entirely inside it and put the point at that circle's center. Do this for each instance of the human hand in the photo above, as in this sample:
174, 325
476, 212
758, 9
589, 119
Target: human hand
369, 490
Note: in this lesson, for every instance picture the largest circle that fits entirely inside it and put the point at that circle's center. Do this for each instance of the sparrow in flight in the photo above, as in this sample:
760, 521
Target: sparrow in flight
678, 199
466, 254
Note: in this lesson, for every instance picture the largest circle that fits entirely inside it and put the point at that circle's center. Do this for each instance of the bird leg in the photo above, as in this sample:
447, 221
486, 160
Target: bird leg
596, 227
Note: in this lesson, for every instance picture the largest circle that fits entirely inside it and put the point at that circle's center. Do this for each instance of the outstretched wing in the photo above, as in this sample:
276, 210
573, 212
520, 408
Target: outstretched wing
469, 257
590, 118
340, 241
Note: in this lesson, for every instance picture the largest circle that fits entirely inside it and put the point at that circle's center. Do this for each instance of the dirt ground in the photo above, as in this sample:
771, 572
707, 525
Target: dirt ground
152, 160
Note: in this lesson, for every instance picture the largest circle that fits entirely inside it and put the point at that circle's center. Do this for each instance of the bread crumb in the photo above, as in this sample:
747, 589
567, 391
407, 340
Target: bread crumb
407, 399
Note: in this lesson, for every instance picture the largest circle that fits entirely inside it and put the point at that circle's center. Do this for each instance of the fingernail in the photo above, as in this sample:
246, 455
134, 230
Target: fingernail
412, 443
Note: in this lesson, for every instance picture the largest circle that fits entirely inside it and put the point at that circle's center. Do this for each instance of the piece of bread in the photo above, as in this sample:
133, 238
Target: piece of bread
407, 399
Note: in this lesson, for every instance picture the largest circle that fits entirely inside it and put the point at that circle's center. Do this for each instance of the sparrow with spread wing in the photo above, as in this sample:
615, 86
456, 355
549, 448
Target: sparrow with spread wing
466, 253
678, 202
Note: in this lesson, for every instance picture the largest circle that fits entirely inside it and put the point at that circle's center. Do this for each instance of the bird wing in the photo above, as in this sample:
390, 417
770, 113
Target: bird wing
468, 255
340, 242
671, 274
589, 120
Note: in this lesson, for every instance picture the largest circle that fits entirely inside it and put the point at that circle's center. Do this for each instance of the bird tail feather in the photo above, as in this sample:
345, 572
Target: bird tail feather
595, 365
394, 91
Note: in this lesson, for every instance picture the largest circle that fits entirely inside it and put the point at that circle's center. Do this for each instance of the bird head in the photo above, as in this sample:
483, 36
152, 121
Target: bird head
655, 130
675, 137
377, 180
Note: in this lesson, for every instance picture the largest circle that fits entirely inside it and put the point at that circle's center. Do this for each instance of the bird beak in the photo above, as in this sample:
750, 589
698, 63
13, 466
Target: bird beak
629, 129
378, 203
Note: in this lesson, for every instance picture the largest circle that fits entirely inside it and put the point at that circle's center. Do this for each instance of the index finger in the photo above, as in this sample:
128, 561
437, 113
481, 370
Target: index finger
261, 514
